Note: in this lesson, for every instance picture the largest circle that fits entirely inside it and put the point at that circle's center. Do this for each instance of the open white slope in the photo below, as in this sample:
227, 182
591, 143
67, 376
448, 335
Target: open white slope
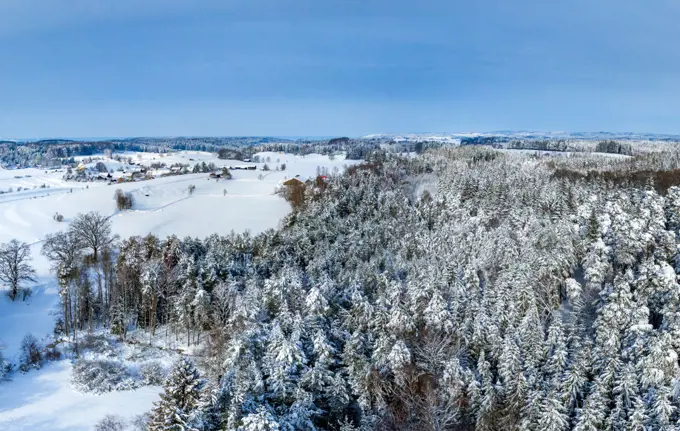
163, 205
44, 399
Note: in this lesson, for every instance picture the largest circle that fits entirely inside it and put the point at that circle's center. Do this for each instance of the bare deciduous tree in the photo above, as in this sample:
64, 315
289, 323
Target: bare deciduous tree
110, 423
14, 267
93, 230
65, 251
124, 201
31, 353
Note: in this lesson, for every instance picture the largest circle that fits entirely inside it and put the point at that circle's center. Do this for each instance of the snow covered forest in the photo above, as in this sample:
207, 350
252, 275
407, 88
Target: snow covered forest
462, 289
55, 153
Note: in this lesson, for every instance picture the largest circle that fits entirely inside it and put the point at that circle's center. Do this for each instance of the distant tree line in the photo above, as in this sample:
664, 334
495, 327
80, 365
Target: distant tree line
55, 153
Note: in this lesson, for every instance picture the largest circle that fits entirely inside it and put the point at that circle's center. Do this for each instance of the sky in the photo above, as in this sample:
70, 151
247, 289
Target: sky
116, 68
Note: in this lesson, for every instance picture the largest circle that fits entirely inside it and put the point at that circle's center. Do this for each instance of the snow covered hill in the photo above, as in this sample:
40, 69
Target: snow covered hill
519, 134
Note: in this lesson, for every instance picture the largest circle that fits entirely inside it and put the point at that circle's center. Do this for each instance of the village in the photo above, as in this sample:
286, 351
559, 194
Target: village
283, 174
116, 169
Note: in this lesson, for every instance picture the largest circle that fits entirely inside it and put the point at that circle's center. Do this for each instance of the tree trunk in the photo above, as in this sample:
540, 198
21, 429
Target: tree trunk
154, 305
90, 316
65, 301
75, 325
100, 291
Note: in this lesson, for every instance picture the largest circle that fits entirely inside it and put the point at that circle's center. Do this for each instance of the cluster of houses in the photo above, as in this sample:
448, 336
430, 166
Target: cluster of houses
217, 175
134, 176
139, 172
83, 173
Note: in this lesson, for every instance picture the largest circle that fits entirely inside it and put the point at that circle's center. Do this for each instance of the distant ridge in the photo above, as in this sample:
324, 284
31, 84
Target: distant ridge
509, 134
451, 138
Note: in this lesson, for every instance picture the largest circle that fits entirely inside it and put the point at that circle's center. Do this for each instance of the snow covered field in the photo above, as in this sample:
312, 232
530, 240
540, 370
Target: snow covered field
44, 399
162, 205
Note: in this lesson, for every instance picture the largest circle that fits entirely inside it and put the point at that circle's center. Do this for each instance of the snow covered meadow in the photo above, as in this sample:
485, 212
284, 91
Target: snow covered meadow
162, 205
45, 399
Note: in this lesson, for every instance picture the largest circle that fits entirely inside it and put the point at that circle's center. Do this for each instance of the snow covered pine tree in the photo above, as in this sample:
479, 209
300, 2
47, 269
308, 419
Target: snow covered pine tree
177, 408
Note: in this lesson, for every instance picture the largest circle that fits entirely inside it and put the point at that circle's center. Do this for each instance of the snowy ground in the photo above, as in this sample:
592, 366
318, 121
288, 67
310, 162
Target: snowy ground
162, 205
44, 399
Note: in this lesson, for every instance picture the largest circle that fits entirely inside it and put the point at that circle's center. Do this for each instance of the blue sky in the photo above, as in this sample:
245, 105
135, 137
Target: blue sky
336, 67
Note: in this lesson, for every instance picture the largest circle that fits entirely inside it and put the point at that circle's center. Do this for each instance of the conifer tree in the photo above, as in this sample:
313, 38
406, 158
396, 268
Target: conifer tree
179, 401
